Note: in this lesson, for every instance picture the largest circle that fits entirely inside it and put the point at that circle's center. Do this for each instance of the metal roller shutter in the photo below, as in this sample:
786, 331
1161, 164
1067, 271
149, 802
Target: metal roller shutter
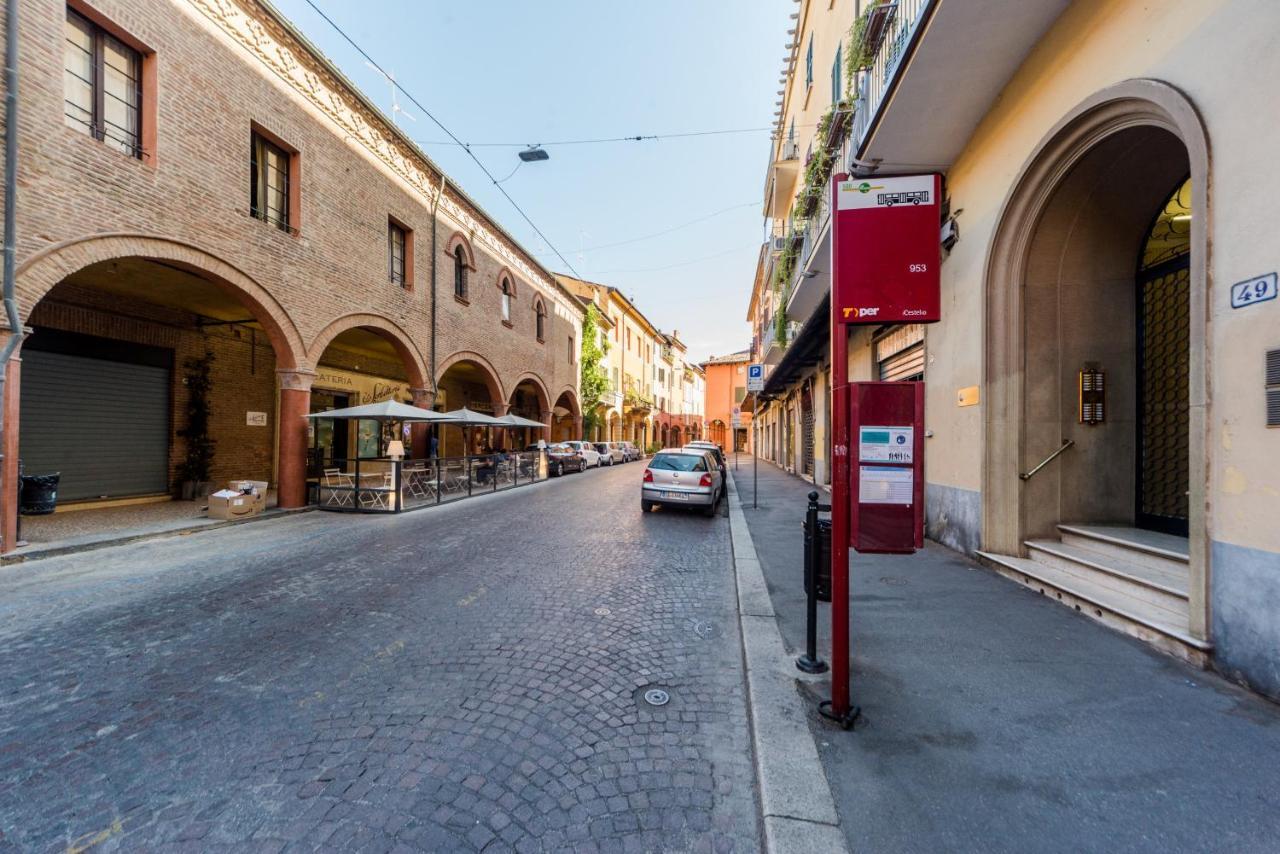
103, 424
900, 353
906, 365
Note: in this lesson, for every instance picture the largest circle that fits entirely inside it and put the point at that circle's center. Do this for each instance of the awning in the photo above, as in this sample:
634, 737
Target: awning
387, 410
466, 416
517, 421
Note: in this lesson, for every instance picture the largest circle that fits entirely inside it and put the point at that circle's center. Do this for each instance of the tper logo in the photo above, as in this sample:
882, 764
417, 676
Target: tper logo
861, 312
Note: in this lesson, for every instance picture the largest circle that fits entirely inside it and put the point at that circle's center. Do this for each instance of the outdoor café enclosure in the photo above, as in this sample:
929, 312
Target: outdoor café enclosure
380, 478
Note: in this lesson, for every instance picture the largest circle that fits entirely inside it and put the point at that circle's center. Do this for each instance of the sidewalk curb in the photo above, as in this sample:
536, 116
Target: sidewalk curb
796, 803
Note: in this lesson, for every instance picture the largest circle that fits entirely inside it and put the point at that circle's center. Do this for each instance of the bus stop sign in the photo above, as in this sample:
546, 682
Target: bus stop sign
886, 250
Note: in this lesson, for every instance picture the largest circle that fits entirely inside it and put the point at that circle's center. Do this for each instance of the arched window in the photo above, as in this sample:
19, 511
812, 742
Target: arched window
506, 300
459, 272
542, 320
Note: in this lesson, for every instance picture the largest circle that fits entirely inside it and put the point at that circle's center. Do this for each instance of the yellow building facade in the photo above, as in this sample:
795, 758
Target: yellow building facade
1104, 241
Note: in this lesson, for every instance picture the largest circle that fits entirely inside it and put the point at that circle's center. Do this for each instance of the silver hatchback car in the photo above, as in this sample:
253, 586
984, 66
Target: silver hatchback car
682, 477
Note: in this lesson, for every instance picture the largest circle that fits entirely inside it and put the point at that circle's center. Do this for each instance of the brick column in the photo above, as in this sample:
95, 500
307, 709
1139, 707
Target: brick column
423, 398
295, 402
9, 447
547, 415
577, 427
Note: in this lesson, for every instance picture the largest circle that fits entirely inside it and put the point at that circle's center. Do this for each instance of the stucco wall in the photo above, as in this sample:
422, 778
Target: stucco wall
1096, 44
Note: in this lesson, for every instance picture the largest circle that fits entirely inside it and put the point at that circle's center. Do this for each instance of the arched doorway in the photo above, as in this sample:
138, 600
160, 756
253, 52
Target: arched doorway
1109, 192
717, 432
363, 359
529, 400
467, 380
129, 352
614, 427
674, 437
566, 417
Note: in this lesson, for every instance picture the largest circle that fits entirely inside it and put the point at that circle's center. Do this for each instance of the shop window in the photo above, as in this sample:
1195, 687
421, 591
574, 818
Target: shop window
102, 81
272, 182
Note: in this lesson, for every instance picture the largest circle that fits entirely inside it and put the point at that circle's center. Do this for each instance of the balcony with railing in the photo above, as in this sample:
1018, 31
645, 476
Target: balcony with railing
885, 35
921, 95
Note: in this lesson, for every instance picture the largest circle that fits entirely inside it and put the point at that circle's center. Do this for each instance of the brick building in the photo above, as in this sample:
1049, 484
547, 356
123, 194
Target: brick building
195, 179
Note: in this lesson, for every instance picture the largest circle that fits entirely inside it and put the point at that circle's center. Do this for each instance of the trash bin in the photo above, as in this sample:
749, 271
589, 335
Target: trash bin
39, 494
822, 561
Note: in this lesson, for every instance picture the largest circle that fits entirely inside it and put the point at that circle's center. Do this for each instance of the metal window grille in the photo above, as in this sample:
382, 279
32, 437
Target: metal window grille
269, 182
396, 243
1273, 388
459, 273
102, 86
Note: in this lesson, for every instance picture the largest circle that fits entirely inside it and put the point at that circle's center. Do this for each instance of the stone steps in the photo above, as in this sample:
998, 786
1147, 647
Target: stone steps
1133, 581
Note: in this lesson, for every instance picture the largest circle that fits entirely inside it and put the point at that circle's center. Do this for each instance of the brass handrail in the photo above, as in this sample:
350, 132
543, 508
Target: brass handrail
1066, 443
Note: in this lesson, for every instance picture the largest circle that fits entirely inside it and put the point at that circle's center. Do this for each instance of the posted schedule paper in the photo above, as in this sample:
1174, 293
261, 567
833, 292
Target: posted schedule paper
882, 485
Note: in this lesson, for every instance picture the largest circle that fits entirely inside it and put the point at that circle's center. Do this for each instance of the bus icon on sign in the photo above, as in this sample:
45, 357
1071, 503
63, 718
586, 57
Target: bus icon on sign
891, 199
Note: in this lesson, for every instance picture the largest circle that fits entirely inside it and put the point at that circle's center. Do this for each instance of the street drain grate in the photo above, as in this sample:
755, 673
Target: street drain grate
652, 696
657, 697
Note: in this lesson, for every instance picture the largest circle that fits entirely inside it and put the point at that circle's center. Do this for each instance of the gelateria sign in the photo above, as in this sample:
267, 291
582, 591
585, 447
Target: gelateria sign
362, 388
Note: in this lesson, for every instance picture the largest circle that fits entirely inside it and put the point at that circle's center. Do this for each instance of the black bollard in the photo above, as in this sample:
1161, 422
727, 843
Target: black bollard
809, 662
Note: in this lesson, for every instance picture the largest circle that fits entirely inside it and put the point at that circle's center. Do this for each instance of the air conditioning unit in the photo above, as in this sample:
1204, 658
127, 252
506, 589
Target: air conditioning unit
790, 151
777, 244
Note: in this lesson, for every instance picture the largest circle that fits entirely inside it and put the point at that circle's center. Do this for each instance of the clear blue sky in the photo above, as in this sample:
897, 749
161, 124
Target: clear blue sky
534, 72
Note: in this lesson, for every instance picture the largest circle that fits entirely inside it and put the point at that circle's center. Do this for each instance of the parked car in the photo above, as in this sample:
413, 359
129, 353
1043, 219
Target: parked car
560, 458
586, 450
682, 477
610, 453
632, 452
713, 448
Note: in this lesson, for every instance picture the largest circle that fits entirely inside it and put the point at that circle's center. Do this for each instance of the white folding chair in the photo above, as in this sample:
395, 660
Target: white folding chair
339, 486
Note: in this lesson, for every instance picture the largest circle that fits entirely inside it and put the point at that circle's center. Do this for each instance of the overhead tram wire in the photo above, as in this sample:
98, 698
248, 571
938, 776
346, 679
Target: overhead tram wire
635, 138
664, 231
683, 263
447, 132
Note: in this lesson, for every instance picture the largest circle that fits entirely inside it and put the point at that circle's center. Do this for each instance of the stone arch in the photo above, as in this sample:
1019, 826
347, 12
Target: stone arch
487, 371
544, 398
414, 364
1133, 105
38, 275
505, 273
572, 396
460, 239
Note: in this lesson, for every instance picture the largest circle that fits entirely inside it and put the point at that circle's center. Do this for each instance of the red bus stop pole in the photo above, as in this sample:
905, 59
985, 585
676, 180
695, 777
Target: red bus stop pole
840, 487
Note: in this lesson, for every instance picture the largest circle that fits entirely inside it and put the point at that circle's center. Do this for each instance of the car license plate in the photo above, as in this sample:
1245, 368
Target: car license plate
675, 496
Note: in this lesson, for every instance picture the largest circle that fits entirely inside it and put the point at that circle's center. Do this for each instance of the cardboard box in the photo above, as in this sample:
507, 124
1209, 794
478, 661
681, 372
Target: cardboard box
258, 488
229, 504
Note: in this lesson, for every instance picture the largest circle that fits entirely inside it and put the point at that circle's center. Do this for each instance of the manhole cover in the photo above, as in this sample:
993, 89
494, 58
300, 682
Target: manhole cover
603, 612
704, 628
894, 582
657, 697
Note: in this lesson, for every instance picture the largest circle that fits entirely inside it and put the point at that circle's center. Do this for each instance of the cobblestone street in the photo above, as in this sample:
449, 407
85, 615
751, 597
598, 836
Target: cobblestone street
465, 678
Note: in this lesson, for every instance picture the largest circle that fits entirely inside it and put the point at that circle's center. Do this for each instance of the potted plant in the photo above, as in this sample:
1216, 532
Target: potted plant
194, 470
